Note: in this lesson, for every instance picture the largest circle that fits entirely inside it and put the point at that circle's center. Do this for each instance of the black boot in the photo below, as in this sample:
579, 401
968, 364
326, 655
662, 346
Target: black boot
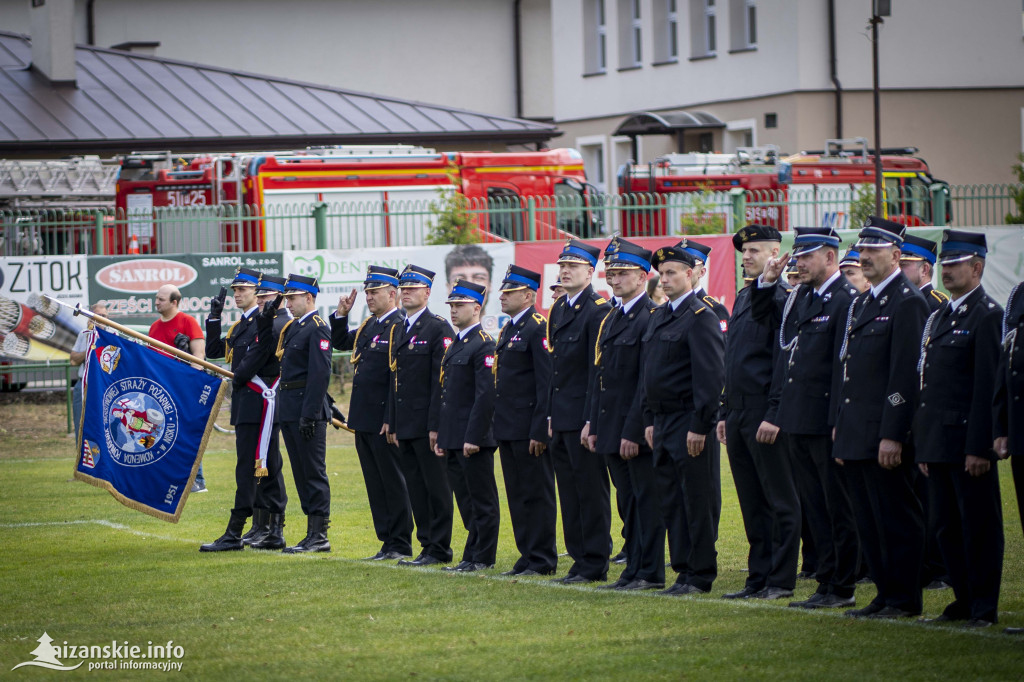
274, 537
316, 536
232, 538
260, 521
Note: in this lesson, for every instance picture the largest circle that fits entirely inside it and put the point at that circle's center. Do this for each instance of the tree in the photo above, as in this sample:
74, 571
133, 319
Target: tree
862, 206
1017, 193
452, 223
703, 216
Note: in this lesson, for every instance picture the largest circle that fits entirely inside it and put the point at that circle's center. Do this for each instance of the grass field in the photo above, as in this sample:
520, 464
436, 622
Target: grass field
87, 570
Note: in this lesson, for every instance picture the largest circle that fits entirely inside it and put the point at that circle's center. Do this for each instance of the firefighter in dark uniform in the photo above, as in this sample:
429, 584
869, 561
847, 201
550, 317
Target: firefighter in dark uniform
522, 369
1008, 404
917, 261
581, 476
370, 344
953, 431
875, 395
252, 415
464, 434
414, 400
304, 349
616, 417
805, 328
701, 254
681, 378
749, 428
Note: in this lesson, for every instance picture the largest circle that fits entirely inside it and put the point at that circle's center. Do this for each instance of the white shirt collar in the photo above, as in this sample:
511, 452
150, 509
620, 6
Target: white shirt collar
411, 319
386, 315
630, 303
249, 312
571, 301
876, 291
518, 316
311, 312
679, 301
954, 303
467, 330
828, 282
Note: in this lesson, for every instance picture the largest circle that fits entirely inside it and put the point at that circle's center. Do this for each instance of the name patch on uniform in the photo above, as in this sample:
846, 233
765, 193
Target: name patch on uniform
489, 361
324, 344
896, 399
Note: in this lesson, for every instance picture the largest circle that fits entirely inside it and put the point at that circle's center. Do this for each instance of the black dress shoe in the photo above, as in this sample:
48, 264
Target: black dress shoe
805, 575
681, 590
577, 580
473, 566
421, 560
530, 571
942, 618
512, 572
1013, 631
457, 567
866, 612
770, 593
376, 557
745, 593
615, 585
828, 601
641, 584
892, 613
937, 585
978, 623
389, 556
619, 558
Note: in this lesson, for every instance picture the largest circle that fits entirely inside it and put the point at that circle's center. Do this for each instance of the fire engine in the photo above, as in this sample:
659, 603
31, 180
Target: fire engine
381, 192
807, 188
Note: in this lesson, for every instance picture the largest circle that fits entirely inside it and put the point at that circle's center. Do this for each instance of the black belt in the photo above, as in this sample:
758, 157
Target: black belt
746, 402
292, 385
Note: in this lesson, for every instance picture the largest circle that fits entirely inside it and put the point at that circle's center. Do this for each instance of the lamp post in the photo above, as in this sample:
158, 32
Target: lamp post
879, 8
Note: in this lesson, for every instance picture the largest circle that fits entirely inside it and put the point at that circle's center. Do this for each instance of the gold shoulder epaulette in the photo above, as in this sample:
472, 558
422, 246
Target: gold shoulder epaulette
939, 296
439, 317
600, 300
699, 310
538, 318
709, 299
319, 320
484, 335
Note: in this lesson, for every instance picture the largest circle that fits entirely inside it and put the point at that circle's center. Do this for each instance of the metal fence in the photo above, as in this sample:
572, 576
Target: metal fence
232, 228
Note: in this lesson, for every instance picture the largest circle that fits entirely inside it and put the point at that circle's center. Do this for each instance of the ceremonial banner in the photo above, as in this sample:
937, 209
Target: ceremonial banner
145, 423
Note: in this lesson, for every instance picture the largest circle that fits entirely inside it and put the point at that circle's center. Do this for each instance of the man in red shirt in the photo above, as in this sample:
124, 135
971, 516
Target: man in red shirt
182, 331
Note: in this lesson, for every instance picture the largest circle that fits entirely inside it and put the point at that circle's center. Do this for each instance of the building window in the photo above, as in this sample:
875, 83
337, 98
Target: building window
703, 28
592, 149
666, 31
595, 57
630, 53
742, 25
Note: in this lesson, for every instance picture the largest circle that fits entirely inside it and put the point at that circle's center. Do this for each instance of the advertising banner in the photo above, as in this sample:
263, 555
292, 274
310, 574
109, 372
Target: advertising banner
720, 281
129, 285
340, 272
34, 326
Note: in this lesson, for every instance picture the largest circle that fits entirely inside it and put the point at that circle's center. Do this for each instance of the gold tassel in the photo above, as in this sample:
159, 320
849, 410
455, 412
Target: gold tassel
355, 343
280, 340
597, 344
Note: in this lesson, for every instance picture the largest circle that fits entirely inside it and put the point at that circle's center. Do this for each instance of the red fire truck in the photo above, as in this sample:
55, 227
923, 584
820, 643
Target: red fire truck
376, 196
808, 188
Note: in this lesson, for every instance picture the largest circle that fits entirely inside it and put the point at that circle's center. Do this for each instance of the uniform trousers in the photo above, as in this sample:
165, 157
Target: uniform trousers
819, 481
309, 467
480, 511
890, 524
636, 483
430, 496
583, 492
768, 501
386, 492
969, 521
530, 489
685, 486
266, 492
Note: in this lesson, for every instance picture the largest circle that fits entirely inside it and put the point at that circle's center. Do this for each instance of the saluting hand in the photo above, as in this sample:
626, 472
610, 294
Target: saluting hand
269, 311
345, 303
217, 303
774, 267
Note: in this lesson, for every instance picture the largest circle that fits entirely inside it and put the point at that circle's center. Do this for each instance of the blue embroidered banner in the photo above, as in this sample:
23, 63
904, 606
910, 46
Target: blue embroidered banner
145, 422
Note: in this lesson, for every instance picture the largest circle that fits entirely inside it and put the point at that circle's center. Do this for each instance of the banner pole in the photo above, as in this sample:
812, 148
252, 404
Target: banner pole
150, 341
188, 357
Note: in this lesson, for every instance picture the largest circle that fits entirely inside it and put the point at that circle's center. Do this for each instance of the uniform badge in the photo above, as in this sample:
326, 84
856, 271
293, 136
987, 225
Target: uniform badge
447, 341
544, 342
109, 357
896, 399
489, 361
324, 344
723, 325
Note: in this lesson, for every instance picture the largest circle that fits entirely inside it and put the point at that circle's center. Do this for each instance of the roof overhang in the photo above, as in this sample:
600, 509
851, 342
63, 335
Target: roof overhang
667, 123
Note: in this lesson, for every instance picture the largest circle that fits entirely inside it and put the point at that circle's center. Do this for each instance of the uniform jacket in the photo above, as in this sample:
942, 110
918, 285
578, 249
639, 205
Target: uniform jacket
960, 352
522, 370
467, 392
616, 408
753, 373
935, 298
716, 306
572, 335
814, 323
683, 363
876, 387
414, 393
305, 352
370, 344
248, 359
1008, 404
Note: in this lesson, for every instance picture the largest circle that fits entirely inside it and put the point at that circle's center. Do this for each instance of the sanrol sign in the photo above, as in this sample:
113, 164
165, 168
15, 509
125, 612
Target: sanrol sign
145, 275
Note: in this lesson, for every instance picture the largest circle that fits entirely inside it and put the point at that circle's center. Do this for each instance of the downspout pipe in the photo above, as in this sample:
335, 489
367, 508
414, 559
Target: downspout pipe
90, 22
834, 67
517, 39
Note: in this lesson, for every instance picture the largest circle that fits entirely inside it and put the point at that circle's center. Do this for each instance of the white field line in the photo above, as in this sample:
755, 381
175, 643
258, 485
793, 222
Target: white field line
994, 632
